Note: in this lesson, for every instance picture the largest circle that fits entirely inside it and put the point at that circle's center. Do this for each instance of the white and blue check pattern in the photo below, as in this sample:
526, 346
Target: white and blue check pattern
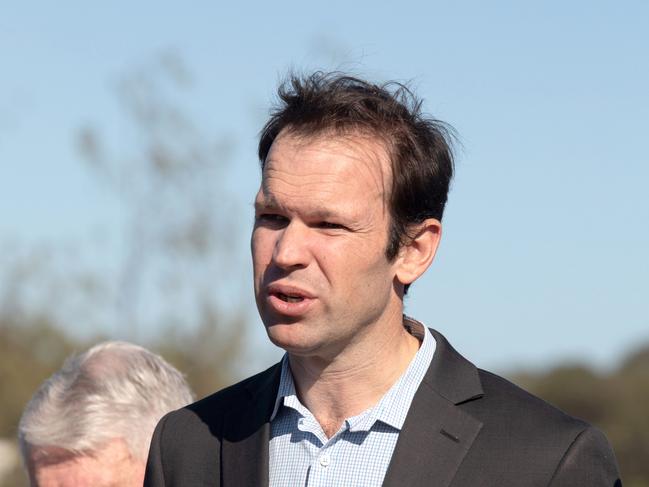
358, 455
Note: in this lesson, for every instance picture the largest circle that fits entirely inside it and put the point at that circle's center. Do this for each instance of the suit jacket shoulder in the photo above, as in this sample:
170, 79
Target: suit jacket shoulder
469, 428
530, 438
526, 441
187, 443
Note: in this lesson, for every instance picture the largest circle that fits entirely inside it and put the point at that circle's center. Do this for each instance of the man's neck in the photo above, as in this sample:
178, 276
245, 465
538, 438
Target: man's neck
337, 389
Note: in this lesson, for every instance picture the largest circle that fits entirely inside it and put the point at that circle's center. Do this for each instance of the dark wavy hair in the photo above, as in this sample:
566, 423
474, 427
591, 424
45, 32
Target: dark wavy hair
419, 147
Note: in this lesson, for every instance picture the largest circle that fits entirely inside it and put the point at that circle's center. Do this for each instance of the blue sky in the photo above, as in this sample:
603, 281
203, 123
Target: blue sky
544, 256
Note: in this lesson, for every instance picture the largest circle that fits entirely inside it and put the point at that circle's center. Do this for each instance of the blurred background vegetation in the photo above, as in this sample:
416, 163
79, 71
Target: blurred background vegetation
178, 251
175, 240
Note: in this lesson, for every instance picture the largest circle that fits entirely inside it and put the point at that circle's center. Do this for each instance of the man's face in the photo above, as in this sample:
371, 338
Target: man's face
110, 466
318, 245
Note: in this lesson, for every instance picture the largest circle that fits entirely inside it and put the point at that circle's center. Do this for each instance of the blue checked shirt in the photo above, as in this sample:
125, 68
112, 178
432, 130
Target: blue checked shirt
359, 453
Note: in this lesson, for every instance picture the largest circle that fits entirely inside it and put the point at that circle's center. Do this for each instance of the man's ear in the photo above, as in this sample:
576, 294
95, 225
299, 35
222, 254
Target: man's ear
418, 252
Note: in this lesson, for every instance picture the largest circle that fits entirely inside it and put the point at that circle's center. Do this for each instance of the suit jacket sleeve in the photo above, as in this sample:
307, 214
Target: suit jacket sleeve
154, 476
588, 461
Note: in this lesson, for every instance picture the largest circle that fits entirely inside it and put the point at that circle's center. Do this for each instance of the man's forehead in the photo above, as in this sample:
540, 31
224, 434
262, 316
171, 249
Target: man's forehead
106, 466
318, 161
114, 448
49, 455
363, 146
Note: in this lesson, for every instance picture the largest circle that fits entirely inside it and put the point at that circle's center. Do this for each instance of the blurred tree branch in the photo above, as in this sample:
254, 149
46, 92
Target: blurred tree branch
181, 230
171, 273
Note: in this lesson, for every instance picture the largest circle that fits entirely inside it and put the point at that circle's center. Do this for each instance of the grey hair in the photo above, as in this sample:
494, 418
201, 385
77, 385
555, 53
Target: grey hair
113, 390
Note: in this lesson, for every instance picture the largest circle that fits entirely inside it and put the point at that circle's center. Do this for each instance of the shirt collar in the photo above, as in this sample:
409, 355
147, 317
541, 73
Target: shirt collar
393, 407
286, 387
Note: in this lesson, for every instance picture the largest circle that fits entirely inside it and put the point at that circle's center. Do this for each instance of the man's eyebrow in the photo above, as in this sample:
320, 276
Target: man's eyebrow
266, 201
322, 214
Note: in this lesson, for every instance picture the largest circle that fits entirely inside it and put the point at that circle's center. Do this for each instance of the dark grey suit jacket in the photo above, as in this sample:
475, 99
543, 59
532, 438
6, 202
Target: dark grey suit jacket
466, 428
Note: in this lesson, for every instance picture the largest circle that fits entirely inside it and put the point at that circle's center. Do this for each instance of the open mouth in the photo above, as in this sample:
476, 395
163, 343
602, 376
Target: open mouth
289, 298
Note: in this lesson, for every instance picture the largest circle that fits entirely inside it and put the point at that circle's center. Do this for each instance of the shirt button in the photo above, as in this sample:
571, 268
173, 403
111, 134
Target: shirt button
324, 460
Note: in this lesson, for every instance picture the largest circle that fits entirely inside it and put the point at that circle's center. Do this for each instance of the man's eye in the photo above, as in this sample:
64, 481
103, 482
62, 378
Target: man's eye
330, 226
271, 219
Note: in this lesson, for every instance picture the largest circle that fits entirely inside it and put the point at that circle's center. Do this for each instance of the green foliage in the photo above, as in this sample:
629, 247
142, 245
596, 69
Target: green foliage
30, 351
209, 354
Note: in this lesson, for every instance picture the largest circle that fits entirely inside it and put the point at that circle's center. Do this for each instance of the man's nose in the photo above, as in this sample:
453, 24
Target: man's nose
291, 248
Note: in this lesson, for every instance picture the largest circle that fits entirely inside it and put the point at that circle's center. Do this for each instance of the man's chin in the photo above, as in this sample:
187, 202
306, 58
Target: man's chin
290, 338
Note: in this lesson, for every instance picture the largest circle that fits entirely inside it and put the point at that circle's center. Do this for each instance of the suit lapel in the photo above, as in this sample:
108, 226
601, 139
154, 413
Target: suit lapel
437, 434
244, 449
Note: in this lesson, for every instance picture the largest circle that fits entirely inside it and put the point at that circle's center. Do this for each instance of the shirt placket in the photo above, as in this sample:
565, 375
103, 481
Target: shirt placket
322, 468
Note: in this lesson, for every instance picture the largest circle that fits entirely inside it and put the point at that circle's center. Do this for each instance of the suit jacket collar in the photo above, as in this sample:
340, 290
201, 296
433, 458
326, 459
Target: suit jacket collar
451, 375
433, 441
437, 434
